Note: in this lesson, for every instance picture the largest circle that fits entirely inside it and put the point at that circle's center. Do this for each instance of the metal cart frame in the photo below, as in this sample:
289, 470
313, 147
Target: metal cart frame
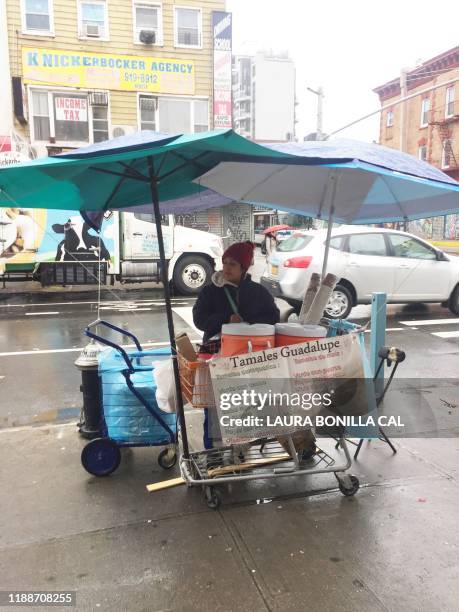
198, 468
195, 469
102, 455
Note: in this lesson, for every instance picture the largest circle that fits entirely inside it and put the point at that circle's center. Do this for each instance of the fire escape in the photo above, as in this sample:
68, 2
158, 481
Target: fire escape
446, 134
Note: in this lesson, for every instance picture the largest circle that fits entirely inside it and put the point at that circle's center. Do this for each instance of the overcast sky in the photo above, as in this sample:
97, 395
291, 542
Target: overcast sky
347, 47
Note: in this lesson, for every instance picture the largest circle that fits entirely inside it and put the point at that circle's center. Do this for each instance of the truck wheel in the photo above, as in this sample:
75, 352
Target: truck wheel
191, 274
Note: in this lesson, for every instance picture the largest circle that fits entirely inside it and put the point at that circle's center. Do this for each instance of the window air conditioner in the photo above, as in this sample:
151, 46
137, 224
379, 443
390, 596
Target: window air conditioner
122, 130
92, 30
147, 37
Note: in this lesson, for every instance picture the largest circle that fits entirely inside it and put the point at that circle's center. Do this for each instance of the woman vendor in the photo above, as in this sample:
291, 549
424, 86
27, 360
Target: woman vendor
232, 297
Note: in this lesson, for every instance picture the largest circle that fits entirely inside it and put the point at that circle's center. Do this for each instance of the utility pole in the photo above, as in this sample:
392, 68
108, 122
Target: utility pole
320, 96
403, 92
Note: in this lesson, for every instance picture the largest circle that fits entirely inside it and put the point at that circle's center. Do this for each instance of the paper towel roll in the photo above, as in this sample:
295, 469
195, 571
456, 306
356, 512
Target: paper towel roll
311, 292
320, 301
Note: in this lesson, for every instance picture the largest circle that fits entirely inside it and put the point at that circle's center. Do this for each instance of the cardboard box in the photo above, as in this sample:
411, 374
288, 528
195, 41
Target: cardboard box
184, 347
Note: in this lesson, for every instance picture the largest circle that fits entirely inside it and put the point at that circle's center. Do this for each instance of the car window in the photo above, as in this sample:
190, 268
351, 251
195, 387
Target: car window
367, 244
294, 243
405, 246
337, 243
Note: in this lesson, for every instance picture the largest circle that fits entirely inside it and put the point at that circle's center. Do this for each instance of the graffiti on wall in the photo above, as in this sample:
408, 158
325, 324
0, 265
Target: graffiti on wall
191, 220
452, 227
238, 223
422, 228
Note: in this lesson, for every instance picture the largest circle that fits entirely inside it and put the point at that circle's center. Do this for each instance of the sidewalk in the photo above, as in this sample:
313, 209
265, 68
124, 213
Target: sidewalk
273, 545
449, 246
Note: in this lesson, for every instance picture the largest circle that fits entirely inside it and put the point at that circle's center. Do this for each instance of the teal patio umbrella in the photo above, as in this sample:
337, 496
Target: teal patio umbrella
143, 168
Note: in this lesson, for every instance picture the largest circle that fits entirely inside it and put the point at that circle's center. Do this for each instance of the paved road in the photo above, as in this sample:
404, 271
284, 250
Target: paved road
39, 342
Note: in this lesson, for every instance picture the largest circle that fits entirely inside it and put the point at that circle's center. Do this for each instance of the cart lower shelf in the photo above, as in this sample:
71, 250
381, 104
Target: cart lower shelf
261, 459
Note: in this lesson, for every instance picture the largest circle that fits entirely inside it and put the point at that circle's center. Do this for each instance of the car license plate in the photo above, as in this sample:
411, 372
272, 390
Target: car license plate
274, 270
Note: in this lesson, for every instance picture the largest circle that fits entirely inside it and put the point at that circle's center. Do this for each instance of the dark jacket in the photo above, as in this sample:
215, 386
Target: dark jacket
212, 308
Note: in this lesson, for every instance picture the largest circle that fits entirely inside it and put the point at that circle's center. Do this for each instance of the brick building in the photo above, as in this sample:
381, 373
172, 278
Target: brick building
430, 127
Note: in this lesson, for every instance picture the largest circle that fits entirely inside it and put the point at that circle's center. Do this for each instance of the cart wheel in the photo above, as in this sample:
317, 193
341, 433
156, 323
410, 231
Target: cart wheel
166, 459
213, 498
101, 457
352, 490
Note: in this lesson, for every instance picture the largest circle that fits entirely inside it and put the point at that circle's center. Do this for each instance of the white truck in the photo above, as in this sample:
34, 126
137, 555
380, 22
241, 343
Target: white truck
58, 247
193, 255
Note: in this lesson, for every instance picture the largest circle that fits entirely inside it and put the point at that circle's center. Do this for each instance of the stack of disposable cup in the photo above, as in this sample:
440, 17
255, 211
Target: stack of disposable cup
317, 308
309, 296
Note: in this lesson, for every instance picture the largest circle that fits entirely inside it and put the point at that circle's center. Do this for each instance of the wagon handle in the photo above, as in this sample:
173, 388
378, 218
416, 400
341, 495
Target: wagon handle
103, 340
124, 332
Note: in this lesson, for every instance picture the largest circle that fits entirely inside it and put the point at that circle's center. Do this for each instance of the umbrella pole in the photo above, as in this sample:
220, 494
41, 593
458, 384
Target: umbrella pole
335, 178
327, 241
167, 299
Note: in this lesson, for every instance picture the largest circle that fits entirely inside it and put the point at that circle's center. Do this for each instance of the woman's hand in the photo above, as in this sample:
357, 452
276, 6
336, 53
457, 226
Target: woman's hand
235, 318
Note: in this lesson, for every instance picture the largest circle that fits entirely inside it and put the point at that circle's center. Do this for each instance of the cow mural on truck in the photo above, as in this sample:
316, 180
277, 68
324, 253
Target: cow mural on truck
78, 243
61, 246
31, 236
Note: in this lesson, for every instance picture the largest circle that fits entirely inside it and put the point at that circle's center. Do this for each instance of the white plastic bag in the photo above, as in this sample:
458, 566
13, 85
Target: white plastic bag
165, 385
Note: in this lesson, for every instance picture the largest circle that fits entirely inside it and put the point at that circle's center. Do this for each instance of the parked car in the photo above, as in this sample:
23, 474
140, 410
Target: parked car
366, 260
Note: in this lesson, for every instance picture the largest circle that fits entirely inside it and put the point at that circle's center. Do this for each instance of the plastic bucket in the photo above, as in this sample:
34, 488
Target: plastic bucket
239, 338
294, 333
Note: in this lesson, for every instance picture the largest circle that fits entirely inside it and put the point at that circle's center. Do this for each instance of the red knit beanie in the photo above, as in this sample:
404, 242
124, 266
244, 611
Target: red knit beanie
242, 252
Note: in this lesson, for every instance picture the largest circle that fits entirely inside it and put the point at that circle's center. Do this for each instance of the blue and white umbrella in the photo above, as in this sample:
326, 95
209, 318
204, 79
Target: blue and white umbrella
340, 180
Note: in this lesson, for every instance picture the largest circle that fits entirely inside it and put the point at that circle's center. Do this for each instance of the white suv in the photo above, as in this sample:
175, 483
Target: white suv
366, 260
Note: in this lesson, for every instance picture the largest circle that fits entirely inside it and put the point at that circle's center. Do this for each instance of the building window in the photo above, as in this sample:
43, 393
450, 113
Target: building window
173, 115
68, 117
37, 17
390, 118
201, 116
99, 123
446, 154
40, 113
71, 117
449, 103
92, 19
187, 27
147, 112
148, 18
422, 152
425, 108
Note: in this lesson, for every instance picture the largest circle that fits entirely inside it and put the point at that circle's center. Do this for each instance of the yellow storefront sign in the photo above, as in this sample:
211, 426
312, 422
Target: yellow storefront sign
108, 71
